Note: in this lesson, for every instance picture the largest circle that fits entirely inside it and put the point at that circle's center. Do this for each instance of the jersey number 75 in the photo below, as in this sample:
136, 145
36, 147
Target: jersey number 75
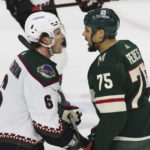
138, 74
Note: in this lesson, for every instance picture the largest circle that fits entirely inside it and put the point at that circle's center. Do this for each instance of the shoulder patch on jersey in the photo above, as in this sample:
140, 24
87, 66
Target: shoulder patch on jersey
39, 67
46, 71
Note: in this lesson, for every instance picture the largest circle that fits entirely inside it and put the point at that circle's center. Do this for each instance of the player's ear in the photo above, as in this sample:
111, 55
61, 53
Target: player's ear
46, 40
98, 35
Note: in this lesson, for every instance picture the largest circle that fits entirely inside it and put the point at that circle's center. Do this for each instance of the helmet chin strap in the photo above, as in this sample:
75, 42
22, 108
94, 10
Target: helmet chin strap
49, 46
93, 47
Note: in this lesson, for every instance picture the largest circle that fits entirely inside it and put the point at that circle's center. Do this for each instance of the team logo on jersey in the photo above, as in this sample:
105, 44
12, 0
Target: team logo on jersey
101, 59
46, 71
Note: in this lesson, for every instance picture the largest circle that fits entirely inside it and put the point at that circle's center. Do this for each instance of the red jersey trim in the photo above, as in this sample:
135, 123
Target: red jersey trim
110, 100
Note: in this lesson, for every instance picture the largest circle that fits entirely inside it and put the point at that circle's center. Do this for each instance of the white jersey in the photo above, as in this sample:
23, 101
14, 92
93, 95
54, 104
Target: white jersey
29, 102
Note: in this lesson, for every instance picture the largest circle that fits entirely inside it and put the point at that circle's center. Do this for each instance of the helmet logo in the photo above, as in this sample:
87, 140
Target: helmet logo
103, 12
101, 15
38, 17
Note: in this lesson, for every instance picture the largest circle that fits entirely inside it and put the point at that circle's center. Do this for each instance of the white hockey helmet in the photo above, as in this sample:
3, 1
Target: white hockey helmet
40, 22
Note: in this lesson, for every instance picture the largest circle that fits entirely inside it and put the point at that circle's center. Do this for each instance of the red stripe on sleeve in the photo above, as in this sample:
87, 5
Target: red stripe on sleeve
110, 100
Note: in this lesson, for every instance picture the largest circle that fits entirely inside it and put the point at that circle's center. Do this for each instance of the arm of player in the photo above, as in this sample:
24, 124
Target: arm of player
42, 103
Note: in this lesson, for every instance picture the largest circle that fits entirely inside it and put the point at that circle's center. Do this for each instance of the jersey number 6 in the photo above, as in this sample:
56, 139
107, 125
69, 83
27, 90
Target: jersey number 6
48, 102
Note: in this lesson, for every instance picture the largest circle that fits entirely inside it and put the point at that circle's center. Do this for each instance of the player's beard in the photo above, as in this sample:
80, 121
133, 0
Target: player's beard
93, 48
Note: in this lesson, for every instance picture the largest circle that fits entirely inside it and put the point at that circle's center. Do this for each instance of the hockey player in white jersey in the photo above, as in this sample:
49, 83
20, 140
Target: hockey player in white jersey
29, 100
21, 9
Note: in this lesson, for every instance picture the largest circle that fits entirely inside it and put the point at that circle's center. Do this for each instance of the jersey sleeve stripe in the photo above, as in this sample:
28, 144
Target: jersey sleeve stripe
111, 103
121, 138
58, 131
109, 100
110, 97
111, 107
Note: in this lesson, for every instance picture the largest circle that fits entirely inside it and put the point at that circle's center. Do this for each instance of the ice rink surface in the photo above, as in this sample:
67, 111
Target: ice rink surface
135, 26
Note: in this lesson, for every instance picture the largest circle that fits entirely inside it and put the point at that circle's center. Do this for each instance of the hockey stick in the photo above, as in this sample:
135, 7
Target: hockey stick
37, 8
24, 41
70, 4
75, 4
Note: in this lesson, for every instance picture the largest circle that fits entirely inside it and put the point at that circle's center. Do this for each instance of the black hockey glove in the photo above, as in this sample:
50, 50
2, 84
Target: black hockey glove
91, 138
90, 5
81, 141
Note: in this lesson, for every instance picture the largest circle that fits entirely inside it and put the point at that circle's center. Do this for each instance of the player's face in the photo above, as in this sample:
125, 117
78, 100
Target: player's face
87, 34
58, 39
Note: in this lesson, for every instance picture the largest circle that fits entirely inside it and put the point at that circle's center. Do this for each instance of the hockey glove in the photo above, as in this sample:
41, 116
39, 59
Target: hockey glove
81, 142
91, 138
90, 5
65, 110
76, 116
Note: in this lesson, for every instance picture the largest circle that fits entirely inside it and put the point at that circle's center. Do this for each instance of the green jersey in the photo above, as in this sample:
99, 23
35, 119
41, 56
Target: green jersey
120, 90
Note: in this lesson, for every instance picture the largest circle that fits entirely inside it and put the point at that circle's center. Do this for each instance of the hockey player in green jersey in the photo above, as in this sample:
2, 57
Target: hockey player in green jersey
119, 86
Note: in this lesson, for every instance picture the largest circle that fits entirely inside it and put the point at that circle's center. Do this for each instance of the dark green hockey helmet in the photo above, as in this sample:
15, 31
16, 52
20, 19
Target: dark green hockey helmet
103, 18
